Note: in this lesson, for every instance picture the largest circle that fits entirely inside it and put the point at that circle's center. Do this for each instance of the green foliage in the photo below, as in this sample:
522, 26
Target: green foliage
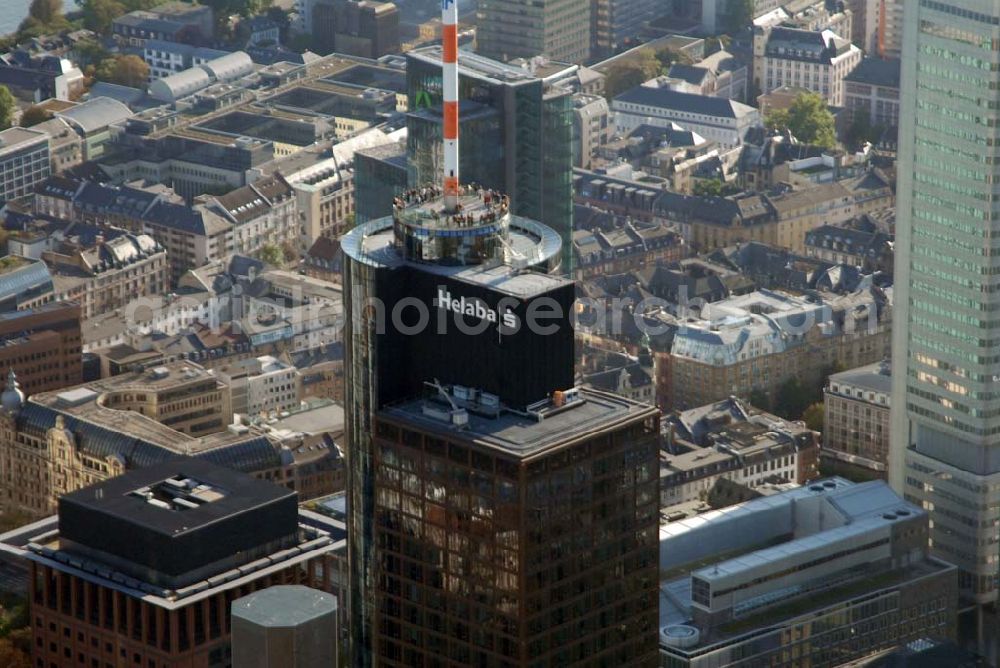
758, 399
862, 131
813, 416
98, 14
272, 254
668, 57
34, 115
795, 398
124, 70
714, 188
739, 15
45, 11
808, 118
629, 74
7, 106
90, 52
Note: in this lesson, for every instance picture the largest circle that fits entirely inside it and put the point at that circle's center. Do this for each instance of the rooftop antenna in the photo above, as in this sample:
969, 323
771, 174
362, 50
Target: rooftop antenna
449, 65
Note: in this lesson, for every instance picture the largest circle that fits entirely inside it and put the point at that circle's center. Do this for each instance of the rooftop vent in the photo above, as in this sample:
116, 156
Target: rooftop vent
178, 493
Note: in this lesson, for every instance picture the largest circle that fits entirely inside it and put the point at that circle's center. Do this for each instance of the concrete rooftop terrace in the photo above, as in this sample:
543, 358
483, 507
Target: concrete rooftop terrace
524, 436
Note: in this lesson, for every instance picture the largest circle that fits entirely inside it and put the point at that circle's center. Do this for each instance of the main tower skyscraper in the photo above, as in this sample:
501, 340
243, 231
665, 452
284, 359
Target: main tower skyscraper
945, 452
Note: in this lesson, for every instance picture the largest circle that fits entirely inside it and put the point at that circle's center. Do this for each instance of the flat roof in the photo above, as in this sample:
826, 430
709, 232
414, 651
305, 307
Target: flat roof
524, 436
238, 493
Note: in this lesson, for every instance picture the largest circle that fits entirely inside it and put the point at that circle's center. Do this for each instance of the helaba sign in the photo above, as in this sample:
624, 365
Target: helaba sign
445, 4
475, 308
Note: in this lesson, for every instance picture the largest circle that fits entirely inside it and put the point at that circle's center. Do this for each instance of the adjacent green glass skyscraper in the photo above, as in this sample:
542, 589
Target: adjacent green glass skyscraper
516, 129
946, 342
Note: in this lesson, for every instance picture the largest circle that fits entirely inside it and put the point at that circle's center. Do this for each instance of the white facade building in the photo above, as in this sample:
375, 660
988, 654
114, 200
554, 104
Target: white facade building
716, 119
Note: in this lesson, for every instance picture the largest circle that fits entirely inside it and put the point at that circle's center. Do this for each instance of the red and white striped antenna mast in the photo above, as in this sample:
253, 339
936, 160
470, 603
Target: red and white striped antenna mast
449, 60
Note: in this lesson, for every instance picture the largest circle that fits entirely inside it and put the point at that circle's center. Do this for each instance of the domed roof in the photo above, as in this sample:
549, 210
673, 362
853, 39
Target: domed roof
12, 397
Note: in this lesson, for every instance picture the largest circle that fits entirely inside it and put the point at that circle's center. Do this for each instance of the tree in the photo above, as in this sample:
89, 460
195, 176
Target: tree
631, 73
808, 118
89, 52
34, 115
714, 188
7, 106
792, 399
98, 14
813, 416
668, 57
125, 70
45, 12
739, 15
272, 254
11, 656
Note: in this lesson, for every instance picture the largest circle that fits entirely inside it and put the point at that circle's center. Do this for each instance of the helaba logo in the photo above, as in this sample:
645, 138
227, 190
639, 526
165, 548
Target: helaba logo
445, 4
475, 308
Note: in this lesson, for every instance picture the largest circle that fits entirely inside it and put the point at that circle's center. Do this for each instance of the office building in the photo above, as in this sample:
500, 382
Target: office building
945, 451
871, 92
425, 401
42, 345
24, 161
716, 119
814, 60
167, 58
24, 282
865, 24
285, 626
517, 131
142, 569
890, 30
365, 28
816, 576
261, 386
557, 29
169, 22
856, 409
380, 173
615, 24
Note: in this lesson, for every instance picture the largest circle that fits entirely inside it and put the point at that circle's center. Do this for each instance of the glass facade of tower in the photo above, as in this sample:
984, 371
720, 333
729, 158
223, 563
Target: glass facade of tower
533, 159
379, 175
480, 148
490, 559
946, 339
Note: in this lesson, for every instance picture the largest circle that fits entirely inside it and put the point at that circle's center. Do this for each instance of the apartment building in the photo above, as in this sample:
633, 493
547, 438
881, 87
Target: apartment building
105, 276
262, 213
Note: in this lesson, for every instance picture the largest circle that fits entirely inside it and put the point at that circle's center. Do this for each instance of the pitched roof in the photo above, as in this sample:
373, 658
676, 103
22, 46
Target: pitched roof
664, 98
